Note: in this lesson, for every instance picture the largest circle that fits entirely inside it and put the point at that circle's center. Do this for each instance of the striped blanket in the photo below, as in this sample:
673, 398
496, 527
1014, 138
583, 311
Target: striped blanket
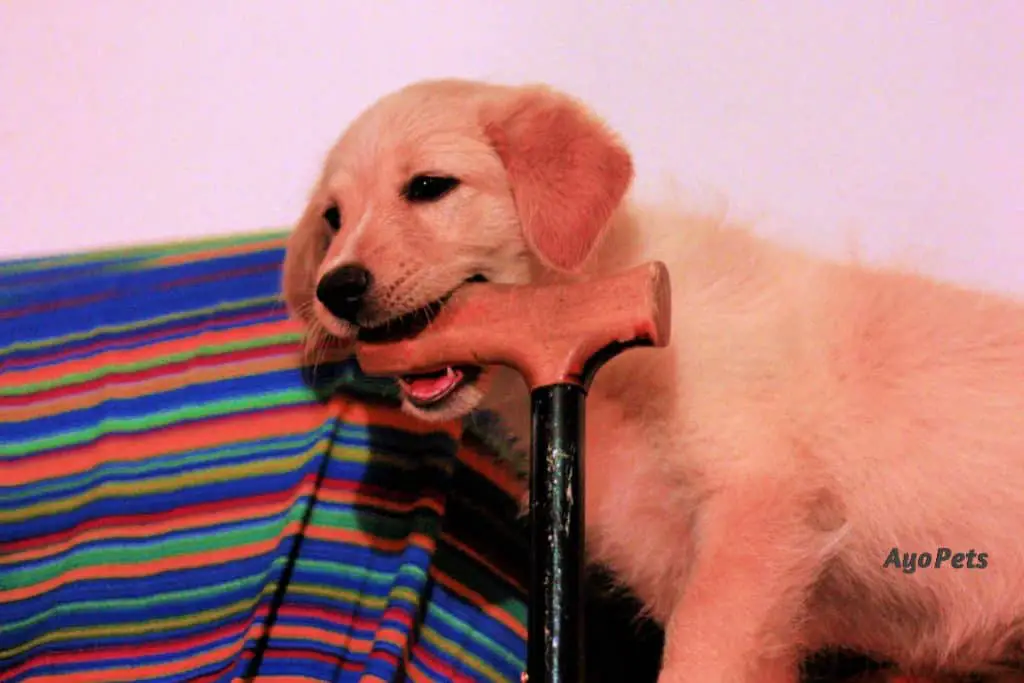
178, 501
181, 501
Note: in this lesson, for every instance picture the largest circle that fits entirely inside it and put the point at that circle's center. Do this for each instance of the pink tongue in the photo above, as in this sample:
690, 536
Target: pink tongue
430, 387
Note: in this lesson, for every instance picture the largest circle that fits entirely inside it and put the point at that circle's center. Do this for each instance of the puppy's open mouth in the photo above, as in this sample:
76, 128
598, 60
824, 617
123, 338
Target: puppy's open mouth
429, 389
426, 389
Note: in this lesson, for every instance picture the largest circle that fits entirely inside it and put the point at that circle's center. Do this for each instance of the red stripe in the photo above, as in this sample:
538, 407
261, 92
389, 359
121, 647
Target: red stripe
342, 661
131, 652
181, 436
399, 614
197, 361
216, 675
200, 509
225, 320
114, 293
51, 306
128, 653
444, 670
106, 442
220, 275
388, 658
368, 492
331, 616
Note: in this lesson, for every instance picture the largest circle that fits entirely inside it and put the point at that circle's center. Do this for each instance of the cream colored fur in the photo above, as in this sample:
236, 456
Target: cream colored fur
749, 482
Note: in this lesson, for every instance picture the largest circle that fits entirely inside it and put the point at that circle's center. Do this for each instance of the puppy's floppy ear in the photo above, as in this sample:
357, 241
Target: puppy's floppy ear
304, 249
567, 170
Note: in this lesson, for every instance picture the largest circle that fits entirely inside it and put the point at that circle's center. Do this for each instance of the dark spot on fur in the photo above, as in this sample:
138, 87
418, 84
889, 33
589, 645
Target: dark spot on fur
827, 511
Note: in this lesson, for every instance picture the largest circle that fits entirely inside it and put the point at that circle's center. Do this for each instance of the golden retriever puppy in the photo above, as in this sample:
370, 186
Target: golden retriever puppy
827, 455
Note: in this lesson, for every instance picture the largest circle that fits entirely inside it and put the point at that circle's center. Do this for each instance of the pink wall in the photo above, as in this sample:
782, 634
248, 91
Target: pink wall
136, 120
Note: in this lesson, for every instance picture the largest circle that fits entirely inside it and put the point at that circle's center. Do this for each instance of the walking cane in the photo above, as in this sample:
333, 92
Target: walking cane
556, 337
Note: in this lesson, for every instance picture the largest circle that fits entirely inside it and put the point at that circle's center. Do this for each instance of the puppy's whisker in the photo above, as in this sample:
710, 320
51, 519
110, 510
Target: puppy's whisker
318, 351
317, 361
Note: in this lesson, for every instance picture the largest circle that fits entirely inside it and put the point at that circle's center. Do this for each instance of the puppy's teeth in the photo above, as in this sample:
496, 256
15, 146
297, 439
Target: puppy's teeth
449, 371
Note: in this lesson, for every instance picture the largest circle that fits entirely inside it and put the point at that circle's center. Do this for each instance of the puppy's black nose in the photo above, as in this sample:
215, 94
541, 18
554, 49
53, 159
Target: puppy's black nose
341, 291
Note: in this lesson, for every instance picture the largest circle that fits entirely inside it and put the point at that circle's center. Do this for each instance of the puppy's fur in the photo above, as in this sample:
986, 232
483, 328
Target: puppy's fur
749, 482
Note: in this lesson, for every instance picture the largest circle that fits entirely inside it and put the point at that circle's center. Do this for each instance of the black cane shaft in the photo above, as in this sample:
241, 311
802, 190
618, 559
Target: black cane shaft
555, 647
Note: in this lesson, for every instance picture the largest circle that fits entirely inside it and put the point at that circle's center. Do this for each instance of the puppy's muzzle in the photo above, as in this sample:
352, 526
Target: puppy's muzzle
342, 291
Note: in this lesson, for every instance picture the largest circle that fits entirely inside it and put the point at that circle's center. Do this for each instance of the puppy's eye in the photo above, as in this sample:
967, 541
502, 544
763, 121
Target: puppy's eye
429, 188
333, 218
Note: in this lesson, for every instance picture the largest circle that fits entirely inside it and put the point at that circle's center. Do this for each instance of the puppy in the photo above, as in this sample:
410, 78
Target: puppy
772, 483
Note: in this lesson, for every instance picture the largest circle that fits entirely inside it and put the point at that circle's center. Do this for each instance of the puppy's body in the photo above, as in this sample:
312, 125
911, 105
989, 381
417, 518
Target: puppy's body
858, 411
841, 412
750, 482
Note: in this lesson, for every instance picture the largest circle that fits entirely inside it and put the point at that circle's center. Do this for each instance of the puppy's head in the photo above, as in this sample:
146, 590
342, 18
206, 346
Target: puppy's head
439, 184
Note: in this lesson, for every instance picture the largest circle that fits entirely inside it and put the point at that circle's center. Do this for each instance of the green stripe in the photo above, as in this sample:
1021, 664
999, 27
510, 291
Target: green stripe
137, 425
491, 587
383, 525
330, 431
404, 596
270, 235
108, 369
184, 596
93, 634
138, 551
460, 654
469, 633
347, 571
115, 469
346, 600
341, 596
168, 598
140, 325
157, 485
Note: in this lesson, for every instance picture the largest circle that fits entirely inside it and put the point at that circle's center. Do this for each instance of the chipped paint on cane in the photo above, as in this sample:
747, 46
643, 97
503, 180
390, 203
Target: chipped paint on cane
556, 456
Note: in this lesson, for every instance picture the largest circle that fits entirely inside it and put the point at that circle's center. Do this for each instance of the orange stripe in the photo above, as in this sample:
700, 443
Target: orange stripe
394, 418
212, 433
353, 498
441, 668
365, 539
415, 673
148, 529
341, 641
494, 471
220, 252
146, 352
155, 385
204, 558
137, 673
466, 550
390, 634
175, 439
491, 610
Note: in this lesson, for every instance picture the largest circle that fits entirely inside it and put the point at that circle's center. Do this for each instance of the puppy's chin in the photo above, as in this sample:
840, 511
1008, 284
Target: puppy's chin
456, 405
318, 349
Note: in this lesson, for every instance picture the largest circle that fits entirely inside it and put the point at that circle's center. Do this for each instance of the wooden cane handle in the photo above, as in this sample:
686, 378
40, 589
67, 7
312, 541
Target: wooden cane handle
556, 333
